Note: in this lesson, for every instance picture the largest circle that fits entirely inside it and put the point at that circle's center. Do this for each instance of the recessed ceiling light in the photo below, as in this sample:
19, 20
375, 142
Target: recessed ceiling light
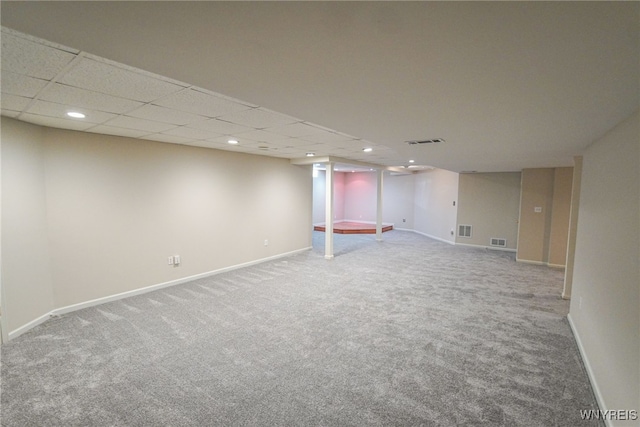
311, 154
233, 141
367, 150
76, 115
411, 161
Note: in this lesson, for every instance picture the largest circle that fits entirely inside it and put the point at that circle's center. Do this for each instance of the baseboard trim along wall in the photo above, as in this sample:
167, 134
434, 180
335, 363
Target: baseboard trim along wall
433, 237
74, 307
493, 248
546, 264
590, 375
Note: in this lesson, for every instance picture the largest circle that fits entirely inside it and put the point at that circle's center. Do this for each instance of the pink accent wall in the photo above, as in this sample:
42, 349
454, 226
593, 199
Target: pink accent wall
319, 194
360, 196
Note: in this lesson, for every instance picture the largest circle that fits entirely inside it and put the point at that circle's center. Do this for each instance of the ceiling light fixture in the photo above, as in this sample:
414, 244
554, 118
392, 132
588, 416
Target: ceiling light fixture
411, 161
367, 150
233, 141
311, 154
76, 115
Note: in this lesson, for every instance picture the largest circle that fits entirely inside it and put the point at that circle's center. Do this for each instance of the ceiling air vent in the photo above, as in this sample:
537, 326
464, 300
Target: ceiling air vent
426, 141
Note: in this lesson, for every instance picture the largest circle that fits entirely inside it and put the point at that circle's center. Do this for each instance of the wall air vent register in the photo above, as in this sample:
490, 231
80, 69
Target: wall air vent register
464, 230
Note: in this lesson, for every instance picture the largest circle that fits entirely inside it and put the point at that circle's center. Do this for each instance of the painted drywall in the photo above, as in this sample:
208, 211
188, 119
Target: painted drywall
361, 196
605, 302
398, 206
435, 214
560, 216
490, 203
536, 201
117, 208
573, 227
26, 275
319, 196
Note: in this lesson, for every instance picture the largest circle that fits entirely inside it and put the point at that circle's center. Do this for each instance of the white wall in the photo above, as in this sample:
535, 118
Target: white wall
605, 301
434, 194
117, 208
26, 275
423, 200
398, 207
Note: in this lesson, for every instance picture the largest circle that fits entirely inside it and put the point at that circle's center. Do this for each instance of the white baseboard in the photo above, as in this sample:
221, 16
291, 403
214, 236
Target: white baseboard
559, 266
546, 264
434, 237
86, 304
587, 365
493, 248
26, 327
528, 261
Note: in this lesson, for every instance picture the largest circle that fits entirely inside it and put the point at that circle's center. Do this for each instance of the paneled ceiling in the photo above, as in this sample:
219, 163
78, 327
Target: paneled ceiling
43, 81
506, 85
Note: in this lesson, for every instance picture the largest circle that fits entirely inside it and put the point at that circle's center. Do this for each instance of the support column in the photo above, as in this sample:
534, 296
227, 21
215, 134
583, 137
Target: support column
328, 216
379, 207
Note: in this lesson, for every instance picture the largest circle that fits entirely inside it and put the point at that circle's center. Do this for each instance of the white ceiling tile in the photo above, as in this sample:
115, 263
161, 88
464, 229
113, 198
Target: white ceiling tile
221, 127
124, 83
25, 56
298, 129
259, 118
161, 137
52, 109
227, 147
196, 102
140, 124
293, 150
55, 122
14, 102
280, 154
18, 84
82, 98
191, 133
162, 114
112, 130
350, 146
260, 135
223, 139
327, 138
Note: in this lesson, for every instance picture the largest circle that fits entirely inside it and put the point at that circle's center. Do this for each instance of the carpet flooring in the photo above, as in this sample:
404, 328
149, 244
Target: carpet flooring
404, 332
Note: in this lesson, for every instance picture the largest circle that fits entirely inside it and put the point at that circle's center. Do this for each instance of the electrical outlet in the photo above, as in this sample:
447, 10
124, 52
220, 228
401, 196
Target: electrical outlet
170, 259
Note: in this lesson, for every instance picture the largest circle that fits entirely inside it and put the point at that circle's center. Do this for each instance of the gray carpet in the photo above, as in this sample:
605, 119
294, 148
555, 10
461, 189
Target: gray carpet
404, 332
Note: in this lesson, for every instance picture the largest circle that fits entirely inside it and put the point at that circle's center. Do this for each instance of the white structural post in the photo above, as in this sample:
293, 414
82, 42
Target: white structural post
328, 217
379, 210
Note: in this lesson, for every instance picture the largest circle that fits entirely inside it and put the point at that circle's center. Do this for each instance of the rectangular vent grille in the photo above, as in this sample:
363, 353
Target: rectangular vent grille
426, 141
496, 241
464, 230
